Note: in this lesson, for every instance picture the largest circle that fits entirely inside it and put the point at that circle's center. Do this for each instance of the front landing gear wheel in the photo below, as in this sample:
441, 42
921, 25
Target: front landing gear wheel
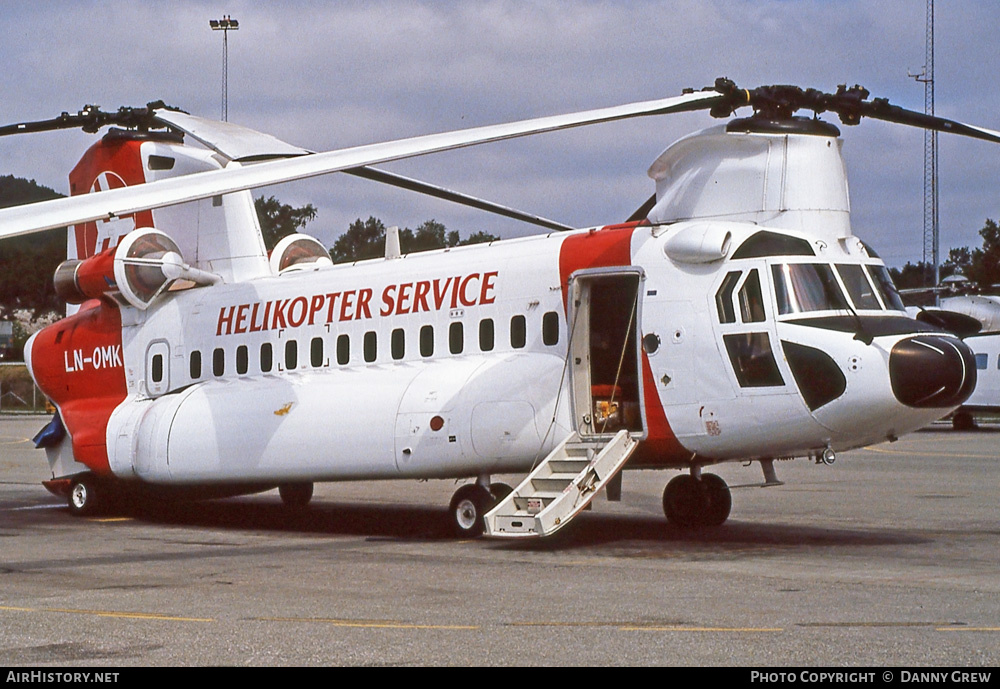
468, 507
720, 500
296, 495
85, 496
688, 501
685, 500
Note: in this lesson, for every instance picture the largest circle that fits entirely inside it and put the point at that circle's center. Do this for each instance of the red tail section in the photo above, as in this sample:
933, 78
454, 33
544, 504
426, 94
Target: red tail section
111, 163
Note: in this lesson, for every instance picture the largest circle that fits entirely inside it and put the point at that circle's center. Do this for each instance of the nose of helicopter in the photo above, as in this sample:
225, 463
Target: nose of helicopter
932, 371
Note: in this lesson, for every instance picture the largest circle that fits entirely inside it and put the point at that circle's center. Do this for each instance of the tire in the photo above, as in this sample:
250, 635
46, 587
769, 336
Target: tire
468, 506
720, 500
85, 497
963, 421
685, 501
296, 495
499, 491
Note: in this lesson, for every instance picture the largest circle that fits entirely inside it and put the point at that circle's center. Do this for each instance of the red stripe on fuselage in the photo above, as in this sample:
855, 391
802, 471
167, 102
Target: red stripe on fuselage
608, 247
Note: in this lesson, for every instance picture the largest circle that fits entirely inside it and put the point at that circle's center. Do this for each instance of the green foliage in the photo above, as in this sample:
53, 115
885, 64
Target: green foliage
982, 266
278, 220
27, 263
363, 239
366, 239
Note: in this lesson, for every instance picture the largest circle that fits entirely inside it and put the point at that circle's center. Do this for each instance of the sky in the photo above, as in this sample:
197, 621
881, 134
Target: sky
330, 75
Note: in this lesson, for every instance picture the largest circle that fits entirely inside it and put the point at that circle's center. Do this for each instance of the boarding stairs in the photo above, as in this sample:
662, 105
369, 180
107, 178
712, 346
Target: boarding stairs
560, 487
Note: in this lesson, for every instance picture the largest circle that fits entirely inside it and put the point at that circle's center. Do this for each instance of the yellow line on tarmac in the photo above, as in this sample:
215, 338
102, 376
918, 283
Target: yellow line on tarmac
886, 451
112, 613
112, 519
646, 627
967, 629
754, 630
368, 624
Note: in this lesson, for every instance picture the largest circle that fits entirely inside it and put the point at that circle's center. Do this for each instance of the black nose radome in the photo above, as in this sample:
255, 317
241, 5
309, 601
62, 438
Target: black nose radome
932, 371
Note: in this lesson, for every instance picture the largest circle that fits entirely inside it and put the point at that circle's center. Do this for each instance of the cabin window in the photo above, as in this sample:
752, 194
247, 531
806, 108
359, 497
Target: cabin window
724, 297
861, 291
397, 344
456, 338
371, 346
156, 368
316, 352
194, 365
486, 335
751, 300
982, 361
291, 355
242, 359
219, 362
427, 340
550, 328
518, 332
753, 361
266, 358
343, 349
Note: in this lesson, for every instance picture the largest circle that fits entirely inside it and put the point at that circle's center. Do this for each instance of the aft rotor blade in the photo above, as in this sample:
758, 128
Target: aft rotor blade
126, 201
242, 144
416, 185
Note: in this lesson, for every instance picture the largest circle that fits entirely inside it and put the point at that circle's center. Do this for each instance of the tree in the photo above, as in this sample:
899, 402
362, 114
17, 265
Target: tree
363, 239
28, 263
981, 266
367, 240
278, 220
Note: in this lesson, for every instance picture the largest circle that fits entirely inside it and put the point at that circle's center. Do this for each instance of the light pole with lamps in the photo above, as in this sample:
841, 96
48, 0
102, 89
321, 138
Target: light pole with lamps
225, 25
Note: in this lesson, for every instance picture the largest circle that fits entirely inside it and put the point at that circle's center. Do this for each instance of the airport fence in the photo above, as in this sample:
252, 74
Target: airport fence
18, 392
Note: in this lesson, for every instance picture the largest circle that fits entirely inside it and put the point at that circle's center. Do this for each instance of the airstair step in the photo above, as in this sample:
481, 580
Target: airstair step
560, 487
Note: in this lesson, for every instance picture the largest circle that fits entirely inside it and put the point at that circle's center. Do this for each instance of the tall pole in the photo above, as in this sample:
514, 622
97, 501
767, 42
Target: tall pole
225, 25
932, 250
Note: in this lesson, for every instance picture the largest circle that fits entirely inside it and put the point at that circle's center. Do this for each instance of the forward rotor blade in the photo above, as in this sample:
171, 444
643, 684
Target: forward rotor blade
129, 200
881, 109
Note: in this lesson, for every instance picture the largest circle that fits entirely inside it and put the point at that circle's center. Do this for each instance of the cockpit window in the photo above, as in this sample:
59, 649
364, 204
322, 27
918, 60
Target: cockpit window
751, 299
724, 297
803, 287
887, 290
858, 287
764, 243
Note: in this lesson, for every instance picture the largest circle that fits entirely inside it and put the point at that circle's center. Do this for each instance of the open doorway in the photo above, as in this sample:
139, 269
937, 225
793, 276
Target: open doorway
604, 351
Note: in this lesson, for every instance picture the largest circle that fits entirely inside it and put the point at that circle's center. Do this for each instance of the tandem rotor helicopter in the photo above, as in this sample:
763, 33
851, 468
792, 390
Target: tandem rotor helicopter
733, 317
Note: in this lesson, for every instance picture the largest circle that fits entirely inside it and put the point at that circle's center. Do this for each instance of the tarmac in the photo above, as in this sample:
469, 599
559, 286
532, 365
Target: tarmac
887, 558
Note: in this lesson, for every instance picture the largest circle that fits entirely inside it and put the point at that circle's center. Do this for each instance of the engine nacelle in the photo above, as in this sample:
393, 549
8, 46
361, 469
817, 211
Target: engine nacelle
77, 280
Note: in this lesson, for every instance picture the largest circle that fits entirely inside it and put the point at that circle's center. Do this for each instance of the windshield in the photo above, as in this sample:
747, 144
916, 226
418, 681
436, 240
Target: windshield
802, 287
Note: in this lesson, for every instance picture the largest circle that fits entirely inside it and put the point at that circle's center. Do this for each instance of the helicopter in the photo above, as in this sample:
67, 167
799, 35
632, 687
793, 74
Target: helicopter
734, 317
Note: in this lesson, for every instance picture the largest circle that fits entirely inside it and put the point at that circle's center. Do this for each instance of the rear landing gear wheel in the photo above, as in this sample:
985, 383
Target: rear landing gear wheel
296, 495
689, 502
85, 496
468, 507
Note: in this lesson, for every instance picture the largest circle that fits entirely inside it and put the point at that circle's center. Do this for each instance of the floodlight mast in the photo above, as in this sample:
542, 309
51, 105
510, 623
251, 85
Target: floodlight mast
225, 25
